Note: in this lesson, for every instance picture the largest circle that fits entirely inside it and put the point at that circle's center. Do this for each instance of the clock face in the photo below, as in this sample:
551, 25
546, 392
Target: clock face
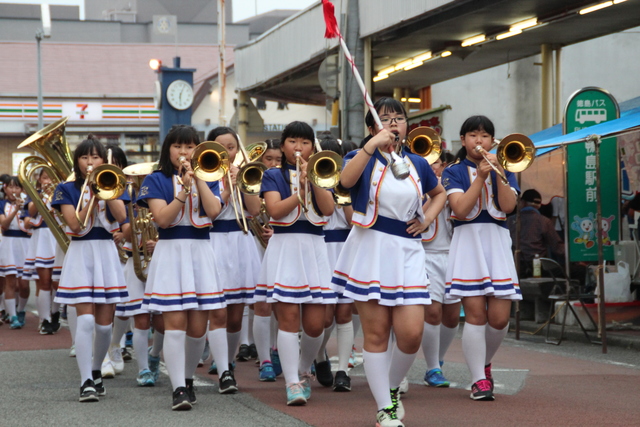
180, 95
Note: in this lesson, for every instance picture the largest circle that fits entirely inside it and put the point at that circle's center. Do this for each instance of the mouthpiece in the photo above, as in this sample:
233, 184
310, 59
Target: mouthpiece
90, 168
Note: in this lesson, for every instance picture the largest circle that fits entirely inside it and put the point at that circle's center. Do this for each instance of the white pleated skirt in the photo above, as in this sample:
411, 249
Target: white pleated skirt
13, 253
182, 276
334, 249
378, 266
295, 269
135, 288
42, 252
481, 263
57, 264
237, 265
92, 273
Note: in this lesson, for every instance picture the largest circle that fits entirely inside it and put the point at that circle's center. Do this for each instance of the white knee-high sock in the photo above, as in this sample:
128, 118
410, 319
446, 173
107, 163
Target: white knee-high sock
158, 343
494, 338
233, 342
193, 350
446, 338
55, 306
119, 329
344, 334
244, 331
219, 348
10, 306
289, 351
140, 344
327, 334
174, 356
252, 315
22, 303
84, 345
43, 303
72, 320
100, 345
474, 348
431, 345
262, 335
400, 364
308, 350
274, 331
375, 365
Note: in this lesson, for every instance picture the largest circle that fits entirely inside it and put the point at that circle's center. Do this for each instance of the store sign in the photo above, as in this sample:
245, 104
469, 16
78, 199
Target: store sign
588, 107
80, 111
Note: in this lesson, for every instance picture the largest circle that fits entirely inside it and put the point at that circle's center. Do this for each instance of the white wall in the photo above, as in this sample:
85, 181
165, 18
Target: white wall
510, 95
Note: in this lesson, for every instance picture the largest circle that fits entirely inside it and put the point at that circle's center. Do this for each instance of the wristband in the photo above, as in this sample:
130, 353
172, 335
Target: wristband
366, 152
181, 201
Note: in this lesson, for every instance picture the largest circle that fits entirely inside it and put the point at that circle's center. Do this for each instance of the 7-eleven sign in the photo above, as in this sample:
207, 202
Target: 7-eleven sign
82, 111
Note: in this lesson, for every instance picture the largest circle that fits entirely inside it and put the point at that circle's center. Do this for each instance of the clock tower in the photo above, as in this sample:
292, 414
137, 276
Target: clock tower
174, 96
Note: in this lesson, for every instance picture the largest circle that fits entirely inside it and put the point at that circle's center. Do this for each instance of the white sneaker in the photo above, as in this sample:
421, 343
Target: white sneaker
115, 354
72, 351
404, 386
107, 368
387, 418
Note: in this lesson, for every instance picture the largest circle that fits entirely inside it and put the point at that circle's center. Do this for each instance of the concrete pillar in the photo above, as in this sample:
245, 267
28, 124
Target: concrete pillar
243, 115
407, 95
559, 112
547, 85
398, 93
354, 112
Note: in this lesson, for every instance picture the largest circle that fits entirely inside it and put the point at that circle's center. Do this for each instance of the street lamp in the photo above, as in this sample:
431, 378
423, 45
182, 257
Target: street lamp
44, 32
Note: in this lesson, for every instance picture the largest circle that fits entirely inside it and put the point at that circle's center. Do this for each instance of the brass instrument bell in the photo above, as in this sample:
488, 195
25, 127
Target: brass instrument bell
425, 142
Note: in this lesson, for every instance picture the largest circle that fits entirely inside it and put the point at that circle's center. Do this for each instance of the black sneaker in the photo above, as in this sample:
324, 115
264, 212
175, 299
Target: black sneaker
253, 351
191, 391
342, 382
45, 328
126, 355
323, 373
227, 383
55, 322
243, 353
181, 400
88, 392
98, 384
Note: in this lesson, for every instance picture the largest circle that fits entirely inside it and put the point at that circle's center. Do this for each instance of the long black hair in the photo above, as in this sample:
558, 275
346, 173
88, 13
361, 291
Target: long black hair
118, 156
181, 134
385, 104
294, 130
474, 123
87, 147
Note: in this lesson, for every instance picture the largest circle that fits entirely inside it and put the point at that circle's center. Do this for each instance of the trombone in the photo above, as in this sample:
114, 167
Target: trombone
425, 142
323, 170
107, 182
515, 153
248, 179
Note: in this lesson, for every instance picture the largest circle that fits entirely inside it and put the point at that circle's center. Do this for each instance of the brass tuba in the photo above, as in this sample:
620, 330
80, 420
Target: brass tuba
51, 143
142, 227
425, 142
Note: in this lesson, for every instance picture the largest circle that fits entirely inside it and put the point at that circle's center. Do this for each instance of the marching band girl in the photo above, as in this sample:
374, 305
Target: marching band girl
295, 270
182, 280
238, 264
13, 251
381, 265
42, 253
92, 279
481, 269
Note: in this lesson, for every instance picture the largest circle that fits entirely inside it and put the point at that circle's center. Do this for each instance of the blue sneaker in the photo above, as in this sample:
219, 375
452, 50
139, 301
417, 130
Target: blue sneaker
275, 361
145, 378
295, 395
21, 317
306, 384
435, 378
213, 369
15, 323
154, 366
267, 373
128, 340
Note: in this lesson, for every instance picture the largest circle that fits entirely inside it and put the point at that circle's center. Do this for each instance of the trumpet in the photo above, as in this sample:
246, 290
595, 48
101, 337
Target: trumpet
515, 153
107, 182
425, 142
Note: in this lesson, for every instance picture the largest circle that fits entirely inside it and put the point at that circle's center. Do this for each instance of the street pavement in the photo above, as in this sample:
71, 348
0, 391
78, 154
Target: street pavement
573, 384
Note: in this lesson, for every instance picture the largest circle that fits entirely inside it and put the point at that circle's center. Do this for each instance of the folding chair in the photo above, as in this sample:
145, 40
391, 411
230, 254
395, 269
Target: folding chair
564, 290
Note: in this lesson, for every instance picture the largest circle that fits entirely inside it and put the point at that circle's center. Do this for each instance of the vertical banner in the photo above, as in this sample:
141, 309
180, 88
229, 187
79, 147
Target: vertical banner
587, 107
